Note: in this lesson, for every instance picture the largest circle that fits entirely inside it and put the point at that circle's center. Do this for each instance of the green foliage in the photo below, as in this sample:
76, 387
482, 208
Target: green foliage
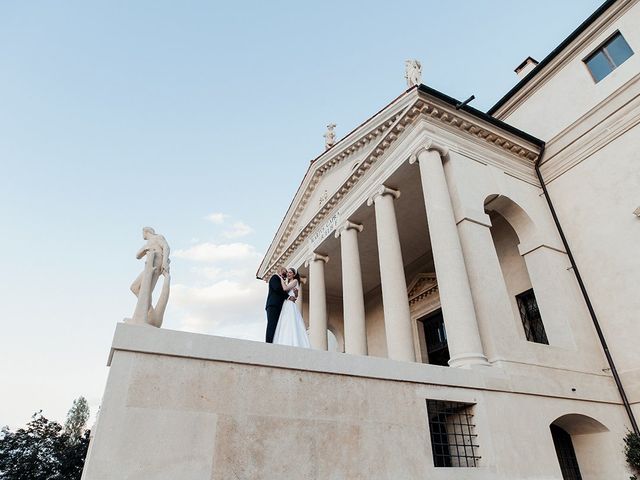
44, 450
77, 419
632, 452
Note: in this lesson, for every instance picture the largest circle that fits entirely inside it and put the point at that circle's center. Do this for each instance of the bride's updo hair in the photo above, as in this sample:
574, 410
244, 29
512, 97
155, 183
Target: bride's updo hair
296, 275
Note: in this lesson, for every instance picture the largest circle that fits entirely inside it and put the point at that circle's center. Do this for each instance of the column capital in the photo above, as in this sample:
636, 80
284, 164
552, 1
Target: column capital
348, 225
429, 146
315, 257
381, 191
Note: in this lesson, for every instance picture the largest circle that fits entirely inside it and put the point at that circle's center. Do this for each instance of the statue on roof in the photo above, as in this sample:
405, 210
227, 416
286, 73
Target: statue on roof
330, 136
156, 251
413, 72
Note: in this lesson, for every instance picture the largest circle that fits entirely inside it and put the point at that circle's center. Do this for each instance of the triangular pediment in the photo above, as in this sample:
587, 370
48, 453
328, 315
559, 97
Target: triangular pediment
333, 174
424, 284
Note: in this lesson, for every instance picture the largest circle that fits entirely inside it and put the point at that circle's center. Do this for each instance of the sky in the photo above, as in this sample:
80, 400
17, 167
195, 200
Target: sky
198, 118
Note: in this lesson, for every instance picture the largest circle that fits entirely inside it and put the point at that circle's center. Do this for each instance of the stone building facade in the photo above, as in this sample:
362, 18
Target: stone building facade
471, 267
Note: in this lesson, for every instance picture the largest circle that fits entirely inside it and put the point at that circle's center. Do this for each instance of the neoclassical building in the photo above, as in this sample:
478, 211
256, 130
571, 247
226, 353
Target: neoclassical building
478, 275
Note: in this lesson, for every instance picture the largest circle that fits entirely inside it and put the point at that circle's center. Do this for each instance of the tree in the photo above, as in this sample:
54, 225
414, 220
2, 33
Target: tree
632, 452
44, 450
77, 419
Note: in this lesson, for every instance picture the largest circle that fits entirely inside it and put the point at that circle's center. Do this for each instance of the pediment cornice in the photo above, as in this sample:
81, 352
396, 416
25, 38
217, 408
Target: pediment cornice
369, 143
424, 285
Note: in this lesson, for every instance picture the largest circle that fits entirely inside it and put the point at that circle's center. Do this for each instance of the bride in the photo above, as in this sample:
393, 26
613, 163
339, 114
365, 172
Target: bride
291, 329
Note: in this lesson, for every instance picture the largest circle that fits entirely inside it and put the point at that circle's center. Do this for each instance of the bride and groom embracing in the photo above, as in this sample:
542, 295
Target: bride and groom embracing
284, 319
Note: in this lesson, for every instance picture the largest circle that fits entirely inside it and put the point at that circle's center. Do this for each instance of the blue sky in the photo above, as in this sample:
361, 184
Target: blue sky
198, 118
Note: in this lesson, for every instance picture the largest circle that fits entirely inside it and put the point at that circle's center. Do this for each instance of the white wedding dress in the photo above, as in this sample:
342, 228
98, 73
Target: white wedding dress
291, 330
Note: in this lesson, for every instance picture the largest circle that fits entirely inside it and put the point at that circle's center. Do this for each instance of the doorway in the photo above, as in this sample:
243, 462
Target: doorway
435, 337
566, 453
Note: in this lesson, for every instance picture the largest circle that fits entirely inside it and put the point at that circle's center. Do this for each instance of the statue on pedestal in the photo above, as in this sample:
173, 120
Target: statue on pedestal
413, 72
330, 136
156, 251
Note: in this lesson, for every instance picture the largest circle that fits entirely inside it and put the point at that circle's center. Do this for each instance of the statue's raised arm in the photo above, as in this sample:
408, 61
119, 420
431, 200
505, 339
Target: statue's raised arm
156, 251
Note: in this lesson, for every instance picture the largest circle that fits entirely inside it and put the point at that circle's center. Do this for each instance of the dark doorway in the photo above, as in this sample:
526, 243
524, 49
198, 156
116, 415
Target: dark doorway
435, 337
566, 454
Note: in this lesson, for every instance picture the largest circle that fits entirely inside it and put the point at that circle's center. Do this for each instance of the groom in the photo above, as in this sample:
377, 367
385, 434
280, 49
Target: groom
275, 300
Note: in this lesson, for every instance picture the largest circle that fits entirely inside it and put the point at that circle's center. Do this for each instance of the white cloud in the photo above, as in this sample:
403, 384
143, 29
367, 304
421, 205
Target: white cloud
214, 253
217, 274
238, 229
233, 308
220, 294
217, 217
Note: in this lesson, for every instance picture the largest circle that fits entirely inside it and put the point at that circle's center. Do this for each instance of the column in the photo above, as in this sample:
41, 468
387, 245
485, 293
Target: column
300, 301
496, 318
317, 302
355, 333
465, 346
397, 318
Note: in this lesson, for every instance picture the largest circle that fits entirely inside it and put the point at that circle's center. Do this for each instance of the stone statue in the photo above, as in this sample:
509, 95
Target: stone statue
413, 72
330, 136
157, 263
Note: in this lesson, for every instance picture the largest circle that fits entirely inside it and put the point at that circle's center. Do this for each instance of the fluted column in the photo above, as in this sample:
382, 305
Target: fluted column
355, 333
397, 318
465, 346
317, 302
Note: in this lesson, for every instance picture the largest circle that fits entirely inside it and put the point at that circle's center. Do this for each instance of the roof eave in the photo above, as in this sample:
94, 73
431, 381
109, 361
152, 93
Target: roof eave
549, 58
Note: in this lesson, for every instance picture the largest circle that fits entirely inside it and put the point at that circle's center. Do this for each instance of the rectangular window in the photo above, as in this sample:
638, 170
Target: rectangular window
531, 319
608, 57
454, 441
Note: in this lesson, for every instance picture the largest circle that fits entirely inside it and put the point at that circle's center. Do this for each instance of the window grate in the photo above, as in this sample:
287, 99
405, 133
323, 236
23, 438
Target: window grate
454, 442
531, 318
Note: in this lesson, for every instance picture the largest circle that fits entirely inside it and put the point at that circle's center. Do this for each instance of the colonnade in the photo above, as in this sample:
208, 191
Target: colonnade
464, 341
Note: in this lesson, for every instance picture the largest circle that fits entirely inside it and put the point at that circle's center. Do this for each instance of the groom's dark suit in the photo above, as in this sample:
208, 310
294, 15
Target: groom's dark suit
275, 300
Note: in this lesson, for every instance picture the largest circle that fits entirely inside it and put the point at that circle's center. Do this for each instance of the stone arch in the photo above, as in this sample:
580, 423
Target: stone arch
514, 233
578, 424
582, 444
515, 215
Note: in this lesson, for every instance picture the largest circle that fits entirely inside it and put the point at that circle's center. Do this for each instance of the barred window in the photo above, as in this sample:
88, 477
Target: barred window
531, 319
453, 438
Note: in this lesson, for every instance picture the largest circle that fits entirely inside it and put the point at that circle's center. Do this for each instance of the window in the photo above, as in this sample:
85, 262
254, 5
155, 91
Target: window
435, 337
531, 319
608, 57
453, 438
566, 454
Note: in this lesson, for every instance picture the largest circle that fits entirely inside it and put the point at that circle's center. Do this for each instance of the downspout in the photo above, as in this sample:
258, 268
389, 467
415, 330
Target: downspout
594, 318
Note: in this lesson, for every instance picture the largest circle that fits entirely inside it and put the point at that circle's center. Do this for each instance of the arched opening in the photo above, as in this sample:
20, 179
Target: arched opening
333, 344
582, 447
511, 226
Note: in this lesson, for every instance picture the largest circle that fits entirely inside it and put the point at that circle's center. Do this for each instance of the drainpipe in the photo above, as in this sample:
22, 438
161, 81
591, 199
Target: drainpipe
585, 295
